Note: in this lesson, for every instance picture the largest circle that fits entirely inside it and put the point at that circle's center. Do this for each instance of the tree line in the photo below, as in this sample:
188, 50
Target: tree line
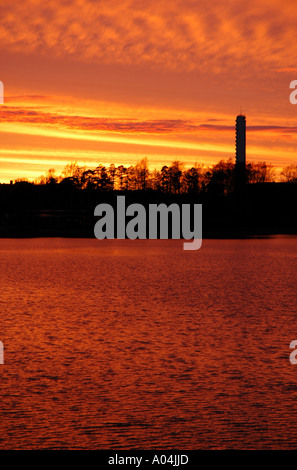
171, 179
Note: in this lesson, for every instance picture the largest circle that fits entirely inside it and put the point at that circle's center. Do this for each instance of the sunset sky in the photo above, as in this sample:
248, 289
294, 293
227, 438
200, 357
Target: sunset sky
114, 81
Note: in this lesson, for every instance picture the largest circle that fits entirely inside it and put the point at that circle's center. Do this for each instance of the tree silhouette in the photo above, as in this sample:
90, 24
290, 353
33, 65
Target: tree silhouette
289, 174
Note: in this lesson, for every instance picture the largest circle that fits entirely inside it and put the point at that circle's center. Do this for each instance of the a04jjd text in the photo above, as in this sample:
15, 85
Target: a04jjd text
174, 460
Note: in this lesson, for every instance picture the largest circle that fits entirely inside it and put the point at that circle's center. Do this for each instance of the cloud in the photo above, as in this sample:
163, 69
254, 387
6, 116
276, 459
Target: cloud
287, 70
13, 99
14, 114
187, 34
85, 123
290, 129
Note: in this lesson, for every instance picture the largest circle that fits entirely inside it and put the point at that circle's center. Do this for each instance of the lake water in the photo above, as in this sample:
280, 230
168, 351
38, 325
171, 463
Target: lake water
138, 344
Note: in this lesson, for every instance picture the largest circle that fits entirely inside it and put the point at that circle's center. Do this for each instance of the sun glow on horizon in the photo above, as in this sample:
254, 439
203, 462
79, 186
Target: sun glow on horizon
160, 81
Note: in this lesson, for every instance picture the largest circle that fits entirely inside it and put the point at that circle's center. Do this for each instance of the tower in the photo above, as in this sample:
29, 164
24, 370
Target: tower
240, 141
240, 146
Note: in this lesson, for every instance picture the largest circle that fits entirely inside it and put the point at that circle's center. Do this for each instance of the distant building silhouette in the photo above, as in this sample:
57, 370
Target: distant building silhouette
240, 140
240, 149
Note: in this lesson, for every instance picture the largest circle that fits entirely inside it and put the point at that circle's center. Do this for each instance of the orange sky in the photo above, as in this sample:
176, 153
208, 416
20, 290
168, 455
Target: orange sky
115, 81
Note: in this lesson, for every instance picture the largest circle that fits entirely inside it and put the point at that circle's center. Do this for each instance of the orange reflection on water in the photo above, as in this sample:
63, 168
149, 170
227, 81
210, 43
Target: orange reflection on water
139, 344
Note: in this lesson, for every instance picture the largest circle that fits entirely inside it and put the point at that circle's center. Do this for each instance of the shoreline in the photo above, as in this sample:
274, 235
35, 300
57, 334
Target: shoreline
208, 235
